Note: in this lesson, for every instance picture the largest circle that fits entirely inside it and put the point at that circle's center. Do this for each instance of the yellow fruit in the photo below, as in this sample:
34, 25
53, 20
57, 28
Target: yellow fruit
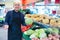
34, 16
58, 23
53, 22
58, 19
28, 15
45, 21
38, 19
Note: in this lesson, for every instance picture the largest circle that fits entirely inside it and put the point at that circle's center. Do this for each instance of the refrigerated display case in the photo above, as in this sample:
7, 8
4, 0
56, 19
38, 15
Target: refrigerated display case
2, 14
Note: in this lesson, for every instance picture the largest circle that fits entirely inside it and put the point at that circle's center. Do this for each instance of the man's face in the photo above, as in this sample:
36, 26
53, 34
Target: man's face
16, 6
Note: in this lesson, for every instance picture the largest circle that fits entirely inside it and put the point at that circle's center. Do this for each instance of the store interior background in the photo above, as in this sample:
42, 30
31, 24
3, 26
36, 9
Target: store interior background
35, 6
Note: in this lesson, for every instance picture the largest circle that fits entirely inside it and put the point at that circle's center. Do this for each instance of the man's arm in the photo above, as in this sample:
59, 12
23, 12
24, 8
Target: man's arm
7, 18
23, 20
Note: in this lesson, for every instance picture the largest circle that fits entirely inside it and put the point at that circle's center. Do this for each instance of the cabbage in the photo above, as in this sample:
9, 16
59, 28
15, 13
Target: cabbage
32, 36
37, 30
29, 32
28, 21
42, 35
35, 35
55, 30
49, 30
40, 30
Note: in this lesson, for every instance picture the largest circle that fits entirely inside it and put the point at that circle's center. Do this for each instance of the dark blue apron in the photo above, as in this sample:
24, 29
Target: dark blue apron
14, 31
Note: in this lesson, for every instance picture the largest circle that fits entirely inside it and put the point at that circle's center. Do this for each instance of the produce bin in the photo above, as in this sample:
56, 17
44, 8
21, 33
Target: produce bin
26, 37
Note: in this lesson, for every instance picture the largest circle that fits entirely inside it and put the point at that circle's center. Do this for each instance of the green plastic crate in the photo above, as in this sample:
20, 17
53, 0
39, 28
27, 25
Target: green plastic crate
26, 37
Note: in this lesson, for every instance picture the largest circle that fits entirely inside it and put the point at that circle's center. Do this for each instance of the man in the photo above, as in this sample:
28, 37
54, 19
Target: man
13, 21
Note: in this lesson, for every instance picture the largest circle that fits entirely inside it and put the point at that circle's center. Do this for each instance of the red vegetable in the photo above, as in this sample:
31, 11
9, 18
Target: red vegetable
25, 28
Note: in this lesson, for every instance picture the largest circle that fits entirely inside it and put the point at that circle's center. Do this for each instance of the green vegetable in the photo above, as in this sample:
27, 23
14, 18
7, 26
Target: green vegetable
29, 32
39, 33
34, 35
42, 35
28, 21
49, 30
40, 30
55, 30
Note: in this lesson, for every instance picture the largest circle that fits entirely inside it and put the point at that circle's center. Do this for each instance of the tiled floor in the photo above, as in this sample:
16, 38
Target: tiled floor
3, 34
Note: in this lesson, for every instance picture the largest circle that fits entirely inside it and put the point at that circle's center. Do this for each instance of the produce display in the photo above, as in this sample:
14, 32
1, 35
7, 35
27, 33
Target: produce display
43, 34
42, 27
55, 22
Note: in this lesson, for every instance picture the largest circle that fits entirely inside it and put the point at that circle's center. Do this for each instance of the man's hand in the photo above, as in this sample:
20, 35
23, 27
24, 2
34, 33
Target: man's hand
6, 26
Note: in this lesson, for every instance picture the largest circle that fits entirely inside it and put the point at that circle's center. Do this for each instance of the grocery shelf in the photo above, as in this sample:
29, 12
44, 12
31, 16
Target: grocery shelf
41, 25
